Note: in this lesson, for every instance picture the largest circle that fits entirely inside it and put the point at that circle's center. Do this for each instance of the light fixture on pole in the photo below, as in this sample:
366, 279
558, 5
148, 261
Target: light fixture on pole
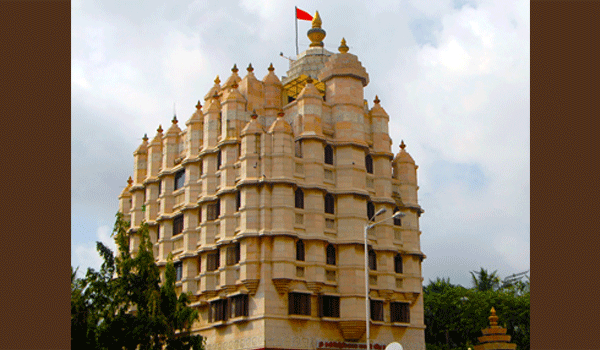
368, 226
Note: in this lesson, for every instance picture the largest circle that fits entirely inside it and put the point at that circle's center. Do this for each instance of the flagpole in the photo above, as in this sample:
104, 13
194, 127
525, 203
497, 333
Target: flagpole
296, 17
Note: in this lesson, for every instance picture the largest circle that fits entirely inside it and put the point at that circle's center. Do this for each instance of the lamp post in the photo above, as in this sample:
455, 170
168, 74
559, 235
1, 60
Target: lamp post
368, 226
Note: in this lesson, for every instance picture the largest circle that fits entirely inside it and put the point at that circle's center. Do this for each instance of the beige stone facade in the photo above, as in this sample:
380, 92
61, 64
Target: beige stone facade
262, 200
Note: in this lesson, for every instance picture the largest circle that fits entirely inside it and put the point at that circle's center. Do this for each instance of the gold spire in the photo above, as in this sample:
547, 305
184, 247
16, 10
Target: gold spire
316, 22
402, 145
343, 47
376, 100
234, 69
316, 34
271, 68
198, 105
217, 80
250, 68
174, 120
160, 129
493, 318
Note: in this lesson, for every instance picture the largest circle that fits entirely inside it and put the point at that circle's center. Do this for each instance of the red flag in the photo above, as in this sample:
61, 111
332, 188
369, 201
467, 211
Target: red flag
303, 15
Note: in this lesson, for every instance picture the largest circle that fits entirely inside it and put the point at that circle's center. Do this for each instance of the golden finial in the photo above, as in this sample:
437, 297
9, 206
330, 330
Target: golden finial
376, 100
198, 105
234, 69
316, 34
254, 115
316, 22
309, 80
217, 80
129, 181
402, 145
493, 318
343, 47
160, 129
145, 138
250, 68
280, 114
174, 120
271, 68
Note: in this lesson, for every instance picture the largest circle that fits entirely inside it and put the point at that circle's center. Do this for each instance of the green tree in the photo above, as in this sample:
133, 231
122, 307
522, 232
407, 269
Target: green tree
126, 306
483, 280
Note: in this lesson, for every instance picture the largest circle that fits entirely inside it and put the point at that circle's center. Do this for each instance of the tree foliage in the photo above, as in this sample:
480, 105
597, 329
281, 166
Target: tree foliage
455, 315
125, 305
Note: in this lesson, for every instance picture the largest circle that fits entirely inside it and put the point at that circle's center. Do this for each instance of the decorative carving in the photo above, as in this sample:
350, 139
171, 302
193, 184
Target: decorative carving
251, 285
282, 285
352, 330
315, 287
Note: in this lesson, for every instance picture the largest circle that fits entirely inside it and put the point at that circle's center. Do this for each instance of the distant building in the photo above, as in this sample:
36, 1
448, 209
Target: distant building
262, 200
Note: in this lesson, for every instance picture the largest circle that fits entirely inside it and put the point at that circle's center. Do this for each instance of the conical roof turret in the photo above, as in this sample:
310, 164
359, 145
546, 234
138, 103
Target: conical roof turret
215, 89
174, 129
253, 126
403, 156
197, 116
280, 124
271, 78
233, 78
344, 64
159, 135
143, 147
125, 192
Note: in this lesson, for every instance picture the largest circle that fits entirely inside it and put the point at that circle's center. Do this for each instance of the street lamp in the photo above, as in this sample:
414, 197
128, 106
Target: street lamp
368, 226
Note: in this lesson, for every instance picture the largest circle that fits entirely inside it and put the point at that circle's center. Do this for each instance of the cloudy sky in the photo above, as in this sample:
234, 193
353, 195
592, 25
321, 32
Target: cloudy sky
452, 74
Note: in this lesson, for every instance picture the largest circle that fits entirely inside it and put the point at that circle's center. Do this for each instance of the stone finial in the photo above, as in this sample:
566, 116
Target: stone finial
235, 68
234, 85
309, 80
250, 68
376, 100
254, 115
493, 318
402, 145
145, 138
217, 80
198, 105
160, 129
129, 181
280, 114
343, 47
174, 120
271, 68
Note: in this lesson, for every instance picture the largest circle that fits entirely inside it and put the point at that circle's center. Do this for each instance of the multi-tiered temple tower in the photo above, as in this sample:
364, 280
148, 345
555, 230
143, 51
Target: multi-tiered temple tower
262, 200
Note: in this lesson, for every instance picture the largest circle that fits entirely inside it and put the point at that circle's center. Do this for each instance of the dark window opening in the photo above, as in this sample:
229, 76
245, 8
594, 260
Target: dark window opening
218, 310
329, 204
300, 250
299, 198
238, 305
397, 221
178, 225
376, 310
398, 263
372, 260
219, 160
370, 211
213, 261
199, 216
178, 270
291, 99
399, 312
157, 232
213, 211
329, 306
238, 200
199, 265
159, 187
369, 164
179, 179
233, 254
328, 155
299, 304
330, 254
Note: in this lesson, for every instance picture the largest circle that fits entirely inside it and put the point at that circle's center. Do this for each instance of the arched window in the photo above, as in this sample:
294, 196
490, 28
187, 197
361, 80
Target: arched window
328, 155
370, 210
369, 164
300, 250
299, 198
398, 263
397, 221
329, 204
372, 260
330, 254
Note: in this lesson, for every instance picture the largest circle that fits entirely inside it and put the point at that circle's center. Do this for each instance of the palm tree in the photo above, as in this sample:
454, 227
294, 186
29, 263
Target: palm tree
484, 281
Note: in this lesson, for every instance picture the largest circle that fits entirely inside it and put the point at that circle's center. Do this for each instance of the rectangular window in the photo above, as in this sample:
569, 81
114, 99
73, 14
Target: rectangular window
376, 310
233, 255
159, 187
199, 215
178, 225
179, 179
178, 270
329, 306
213, 261
298, 150
157, 232
213, 211
299, 304
239, 305
400, 312
218, 310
